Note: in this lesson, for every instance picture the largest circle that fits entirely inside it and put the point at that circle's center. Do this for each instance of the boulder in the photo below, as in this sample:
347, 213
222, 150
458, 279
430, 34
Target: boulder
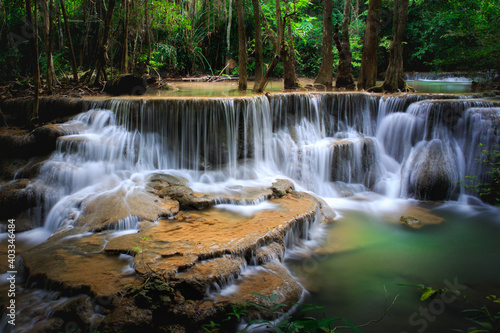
431, 171
281, 187
39, 142
128, 84
17, 197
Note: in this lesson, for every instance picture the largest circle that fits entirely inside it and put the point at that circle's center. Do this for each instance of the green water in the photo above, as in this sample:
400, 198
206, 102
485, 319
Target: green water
230, 88
211, 89
367, 254
440, 86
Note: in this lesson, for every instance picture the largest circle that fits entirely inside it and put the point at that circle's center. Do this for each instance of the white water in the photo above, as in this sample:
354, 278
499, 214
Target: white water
335, 145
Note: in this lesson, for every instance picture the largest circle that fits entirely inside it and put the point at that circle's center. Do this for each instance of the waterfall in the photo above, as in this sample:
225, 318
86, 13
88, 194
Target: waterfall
333, 144
447, 77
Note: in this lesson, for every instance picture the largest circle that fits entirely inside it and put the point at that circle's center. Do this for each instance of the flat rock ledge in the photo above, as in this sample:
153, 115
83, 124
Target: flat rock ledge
164, 277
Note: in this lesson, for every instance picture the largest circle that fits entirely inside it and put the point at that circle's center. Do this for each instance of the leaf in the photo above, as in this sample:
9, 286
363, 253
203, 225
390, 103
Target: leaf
473, 310
261, 296
420, 286
259, 306
428, 293
277, 306
484, 324
273, 297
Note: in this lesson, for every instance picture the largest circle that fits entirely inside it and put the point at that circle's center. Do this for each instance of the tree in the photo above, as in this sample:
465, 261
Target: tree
325, 73
344, 78
36, 66
242, 47
47, 10
259, 56
368, 74
98, 71
394, 77
282, 52
228, 34
70, 41
286, 50
126, 23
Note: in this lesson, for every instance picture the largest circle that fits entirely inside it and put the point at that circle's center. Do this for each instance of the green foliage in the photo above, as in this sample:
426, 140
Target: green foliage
488, 190
441, 35
454, 35
484, 318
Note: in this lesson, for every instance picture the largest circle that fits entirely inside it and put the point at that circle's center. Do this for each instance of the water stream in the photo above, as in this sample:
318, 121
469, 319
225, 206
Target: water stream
371, 157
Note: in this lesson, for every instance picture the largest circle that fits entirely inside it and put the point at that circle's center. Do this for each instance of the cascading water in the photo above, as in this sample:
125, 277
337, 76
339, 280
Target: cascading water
334, 145
331, 144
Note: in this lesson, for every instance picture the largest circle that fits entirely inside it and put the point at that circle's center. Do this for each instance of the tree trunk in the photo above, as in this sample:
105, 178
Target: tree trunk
259, 57
368, 74
242, 47
286, 50
325, 73
47, 34
263, 83
124, 66
148, 35
274, 40
394, 77
36, 65
98, 72
345, 78
70, 42
228, 33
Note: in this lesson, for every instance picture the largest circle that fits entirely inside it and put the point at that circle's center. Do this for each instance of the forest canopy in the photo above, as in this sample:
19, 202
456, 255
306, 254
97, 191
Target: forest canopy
191, 37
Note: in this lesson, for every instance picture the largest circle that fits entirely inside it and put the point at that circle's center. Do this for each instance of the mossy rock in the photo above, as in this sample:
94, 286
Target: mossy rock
153, 294
410, 221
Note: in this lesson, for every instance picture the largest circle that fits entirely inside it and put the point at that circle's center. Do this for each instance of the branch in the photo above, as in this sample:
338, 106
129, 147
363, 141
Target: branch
380, 318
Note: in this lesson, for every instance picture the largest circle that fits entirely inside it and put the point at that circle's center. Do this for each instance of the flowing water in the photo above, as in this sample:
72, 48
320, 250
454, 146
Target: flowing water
369, 156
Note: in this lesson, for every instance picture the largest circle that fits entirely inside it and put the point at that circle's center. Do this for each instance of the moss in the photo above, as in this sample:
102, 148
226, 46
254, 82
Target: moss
154, 293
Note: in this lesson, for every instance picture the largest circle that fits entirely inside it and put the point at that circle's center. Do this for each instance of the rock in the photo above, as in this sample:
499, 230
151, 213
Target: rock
121, 204
3, 123
128, 84
194, 283
273, 251
39, 142
78, 310
127, 316
410, 221
17, 197
281, 187
319, 86
274, 279
415, 217
175, 260
430, 172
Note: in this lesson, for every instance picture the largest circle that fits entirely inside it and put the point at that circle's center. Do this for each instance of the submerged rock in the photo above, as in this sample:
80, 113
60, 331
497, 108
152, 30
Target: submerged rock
410, 221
